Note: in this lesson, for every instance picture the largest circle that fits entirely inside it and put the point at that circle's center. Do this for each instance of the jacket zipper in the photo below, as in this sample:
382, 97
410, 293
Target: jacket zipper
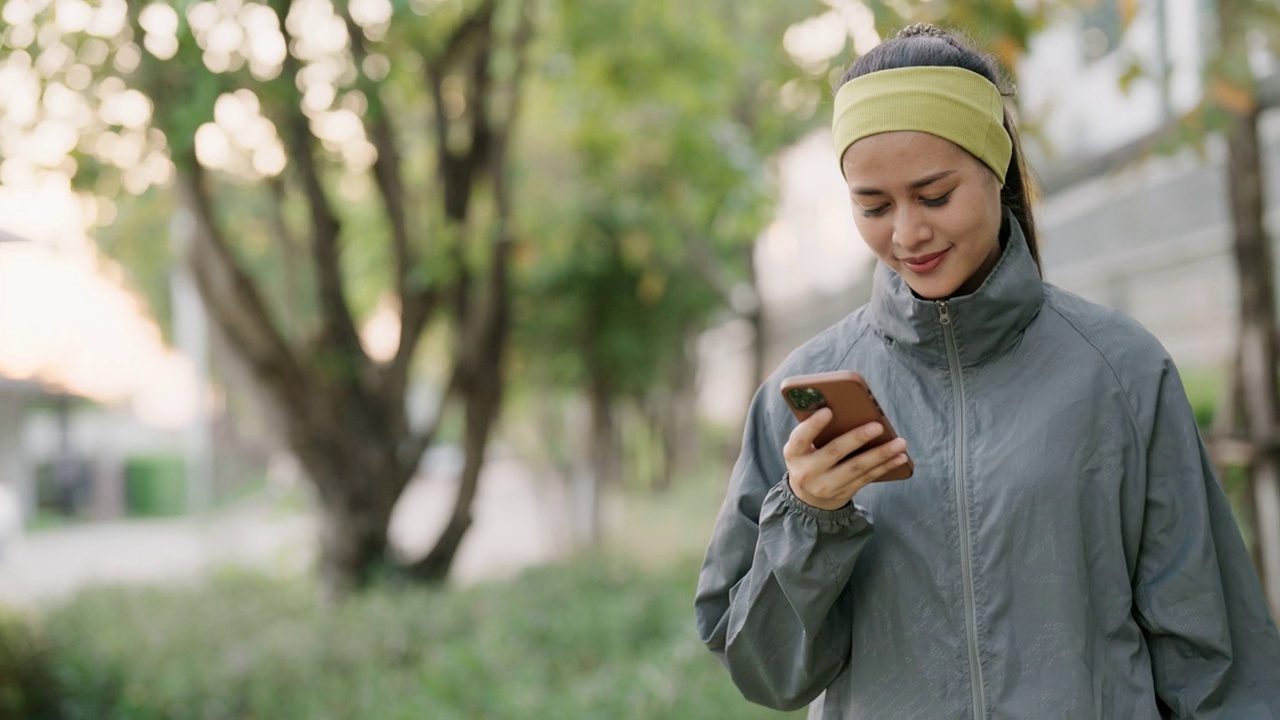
966, 559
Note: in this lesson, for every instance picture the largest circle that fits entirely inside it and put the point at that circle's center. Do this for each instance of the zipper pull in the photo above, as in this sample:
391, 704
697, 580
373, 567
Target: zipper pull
944, 314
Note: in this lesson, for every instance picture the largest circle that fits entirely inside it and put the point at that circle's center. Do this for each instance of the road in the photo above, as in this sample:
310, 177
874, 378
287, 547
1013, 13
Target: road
516, 525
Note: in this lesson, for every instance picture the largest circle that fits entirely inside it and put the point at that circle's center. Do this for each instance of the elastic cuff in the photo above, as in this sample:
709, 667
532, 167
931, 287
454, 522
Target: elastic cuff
838, 519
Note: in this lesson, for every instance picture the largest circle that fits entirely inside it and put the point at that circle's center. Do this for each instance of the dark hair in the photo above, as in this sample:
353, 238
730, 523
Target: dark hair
923, 45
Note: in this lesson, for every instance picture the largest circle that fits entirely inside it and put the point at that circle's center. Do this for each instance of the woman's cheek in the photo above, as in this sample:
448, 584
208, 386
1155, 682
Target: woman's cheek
875, 236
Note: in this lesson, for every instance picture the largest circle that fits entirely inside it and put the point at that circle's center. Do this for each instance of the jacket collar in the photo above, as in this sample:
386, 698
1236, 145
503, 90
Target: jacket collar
983, 323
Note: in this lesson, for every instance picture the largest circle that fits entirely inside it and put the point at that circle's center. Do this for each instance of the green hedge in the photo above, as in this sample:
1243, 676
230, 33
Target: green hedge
597, 638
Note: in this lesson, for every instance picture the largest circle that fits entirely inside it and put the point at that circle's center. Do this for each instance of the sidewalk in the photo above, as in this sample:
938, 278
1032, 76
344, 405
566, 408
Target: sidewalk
513, 529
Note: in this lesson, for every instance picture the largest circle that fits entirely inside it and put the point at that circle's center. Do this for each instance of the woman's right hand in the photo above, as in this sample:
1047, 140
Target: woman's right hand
822, 477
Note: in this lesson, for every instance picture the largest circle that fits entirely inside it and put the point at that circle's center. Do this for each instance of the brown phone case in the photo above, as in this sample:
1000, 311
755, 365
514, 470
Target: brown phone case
852, 405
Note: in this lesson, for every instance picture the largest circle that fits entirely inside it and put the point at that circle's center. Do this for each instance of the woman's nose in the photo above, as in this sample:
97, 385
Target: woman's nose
909, 229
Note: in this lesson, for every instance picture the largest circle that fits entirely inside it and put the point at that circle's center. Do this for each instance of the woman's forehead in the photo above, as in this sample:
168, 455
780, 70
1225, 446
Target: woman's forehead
904, 154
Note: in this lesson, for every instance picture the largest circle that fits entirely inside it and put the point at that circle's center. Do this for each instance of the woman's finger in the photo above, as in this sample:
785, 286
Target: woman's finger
802, 436
871, 463
845, 445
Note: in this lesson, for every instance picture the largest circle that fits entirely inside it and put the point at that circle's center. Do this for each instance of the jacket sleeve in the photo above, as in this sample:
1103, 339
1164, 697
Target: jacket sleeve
1215, 651
772, 600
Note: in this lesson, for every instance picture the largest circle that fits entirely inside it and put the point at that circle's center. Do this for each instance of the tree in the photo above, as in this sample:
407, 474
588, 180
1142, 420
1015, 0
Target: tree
1232, 103
654, 150
307, 108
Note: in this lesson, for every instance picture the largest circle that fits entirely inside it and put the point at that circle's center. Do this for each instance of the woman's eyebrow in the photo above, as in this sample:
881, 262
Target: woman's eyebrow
922, 182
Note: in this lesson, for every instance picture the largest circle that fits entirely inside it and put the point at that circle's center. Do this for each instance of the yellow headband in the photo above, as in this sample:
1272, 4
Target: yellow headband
952, 103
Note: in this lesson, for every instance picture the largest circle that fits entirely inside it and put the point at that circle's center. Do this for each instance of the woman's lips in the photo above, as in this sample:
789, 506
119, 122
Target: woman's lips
925, 263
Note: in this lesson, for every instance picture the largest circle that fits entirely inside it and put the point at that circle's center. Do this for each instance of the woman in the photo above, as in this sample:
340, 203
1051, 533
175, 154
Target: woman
1063, 549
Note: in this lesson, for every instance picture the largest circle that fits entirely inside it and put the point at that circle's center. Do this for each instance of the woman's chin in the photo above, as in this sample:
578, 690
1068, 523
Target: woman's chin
931, 288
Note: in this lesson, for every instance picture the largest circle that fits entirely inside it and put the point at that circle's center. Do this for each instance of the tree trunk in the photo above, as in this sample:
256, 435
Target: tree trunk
482, 409
603, 469
759, 331
353, 545
678, 421
1257, 339
1228, 429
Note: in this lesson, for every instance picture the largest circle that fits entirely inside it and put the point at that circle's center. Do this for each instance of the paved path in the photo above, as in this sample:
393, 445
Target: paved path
515, 526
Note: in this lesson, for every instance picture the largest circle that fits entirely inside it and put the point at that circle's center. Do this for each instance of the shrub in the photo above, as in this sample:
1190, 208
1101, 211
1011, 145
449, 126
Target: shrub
597, 638
27, 686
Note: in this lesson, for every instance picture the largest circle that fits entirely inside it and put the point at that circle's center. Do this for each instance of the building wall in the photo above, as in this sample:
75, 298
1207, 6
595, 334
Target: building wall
1154, 241
15, 472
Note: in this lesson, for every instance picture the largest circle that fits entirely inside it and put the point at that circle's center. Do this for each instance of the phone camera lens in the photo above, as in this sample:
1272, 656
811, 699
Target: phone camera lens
805, 398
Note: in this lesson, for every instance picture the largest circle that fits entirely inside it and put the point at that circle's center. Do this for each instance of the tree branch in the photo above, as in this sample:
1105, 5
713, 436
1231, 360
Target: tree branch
290, 243
338, 331
235, 301
471, 45
386, 166
416, 303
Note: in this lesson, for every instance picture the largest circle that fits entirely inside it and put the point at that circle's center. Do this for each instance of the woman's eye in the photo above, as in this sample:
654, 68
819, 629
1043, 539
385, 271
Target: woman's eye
875, 211
937, 201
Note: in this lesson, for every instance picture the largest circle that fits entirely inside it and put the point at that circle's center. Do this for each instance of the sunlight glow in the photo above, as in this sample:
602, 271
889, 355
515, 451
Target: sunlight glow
269, 160
316, 30
73, 15
339, 126
813, 42
64, 324
380, 335
368, 13
109, 19
212, 147
241, 141
53, 58
51, 142
860, 23
159, 19
128, 57
225, 38
129, 108
202, 16
18, 12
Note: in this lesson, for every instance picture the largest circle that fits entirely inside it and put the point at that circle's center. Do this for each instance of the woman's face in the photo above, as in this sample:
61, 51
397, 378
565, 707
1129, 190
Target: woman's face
928, 209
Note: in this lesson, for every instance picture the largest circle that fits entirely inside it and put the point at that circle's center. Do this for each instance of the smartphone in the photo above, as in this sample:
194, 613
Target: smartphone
852, 405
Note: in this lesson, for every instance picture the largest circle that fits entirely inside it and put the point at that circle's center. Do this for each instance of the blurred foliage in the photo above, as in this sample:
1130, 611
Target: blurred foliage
598, 638
27, 685
138, 240
647, 185
647, 143
1204, 388
1003, 28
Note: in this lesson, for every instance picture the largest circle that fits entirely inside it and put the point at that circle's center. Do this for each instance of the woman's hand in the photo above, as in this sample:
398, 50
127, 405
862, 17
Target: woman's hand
822, 477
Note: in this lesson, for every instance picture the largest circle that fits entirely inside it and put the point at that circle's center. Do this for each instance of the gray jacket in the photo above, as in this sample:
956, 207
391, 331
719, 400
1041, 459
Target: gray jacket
1063, 550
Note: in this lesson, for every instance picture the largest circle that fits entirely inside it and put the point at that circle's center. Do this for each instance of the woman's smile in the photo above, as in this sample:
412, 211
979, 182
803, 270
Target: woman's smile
924, 264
